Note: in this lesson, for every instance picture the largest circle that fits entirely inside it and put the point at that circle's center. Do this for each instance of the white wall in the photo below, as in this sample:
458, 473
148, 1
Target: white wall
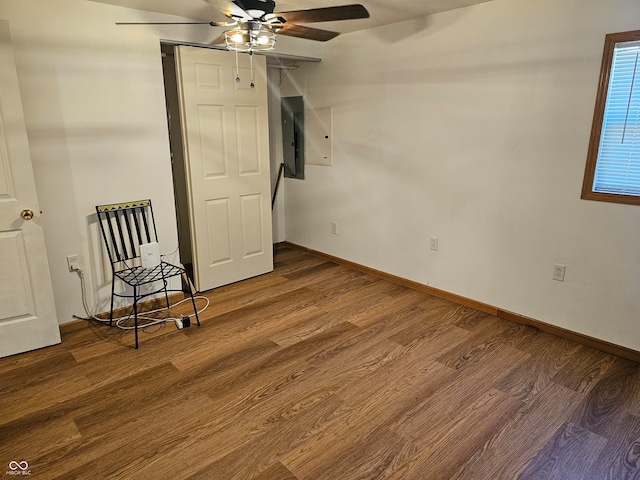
94, 106
473, 126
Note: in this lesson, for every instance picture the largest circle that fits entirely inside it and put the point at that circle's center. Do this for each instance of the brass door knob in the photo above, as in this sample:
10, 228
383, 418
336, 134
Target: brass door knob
26, 214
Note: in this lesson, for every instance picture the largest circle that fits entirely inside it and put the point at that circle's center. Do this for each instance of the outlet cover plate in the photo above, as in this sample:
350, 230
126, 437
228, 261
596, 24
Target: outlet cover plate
558, 272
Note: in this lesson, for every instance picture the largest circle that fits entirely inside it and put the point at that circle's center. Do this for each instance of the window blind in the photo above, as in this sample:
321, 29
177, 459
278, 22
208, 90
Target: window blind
618, 164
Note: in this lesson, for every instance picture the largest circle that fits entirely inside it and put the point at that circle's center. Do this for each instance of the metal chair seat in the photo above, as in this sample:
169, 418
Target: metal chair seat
141, 276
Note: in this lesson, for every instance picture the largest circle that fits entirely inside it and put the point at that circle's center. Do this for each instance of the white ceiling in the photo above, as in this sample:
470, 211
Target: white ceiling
382, 12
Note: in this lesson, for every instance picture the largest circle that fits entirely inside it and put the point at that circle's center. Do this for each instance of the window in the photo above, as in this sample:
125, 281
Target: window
613, 160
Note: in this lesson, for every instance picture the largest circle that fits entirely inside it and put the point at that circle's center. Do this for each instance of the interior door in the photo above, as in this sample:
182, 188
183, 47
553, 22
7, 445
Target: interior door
226, 144
27, 311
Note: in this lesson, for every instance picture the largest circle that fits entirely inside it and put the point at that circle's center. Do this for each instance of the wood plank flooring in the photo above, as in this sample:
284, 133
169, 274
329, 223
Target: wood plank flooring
317, 371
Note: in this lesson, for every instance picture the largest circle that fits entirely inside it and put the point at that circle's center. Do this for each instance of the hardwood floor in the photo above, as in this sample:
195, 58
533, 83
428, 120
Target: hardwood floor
317, 371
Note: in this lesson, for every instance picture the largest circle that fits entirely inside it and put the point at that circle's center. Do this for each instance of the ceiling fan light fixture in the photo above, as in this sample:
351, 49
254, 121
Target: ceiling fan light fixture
263, 40
235, 37
250, 37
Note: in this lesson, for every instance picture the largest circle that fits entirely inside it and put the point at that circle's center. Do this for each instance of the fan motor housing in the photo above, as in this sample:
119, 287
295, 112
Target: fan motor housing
266, 6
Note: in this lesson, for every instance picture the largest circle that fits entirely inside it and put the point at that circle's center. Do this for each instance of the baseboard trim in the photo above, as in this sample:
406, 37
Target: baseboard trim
582, 339
467, 302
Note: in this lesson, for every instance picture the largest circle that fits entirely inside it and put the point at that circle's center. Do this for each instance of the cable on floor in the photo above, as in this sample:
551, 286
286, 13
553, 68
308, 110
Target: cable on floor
119, 321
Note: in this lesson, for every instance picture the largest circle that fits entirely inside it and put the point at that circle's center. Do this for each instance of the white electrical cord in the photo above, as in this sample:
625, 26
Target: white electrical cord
118, 321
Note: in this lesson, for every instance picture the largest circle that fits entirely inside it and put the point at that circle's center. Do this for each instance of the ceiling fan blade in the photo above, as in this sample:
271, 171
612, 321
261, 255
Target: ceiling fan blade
299, 31
213, 24
327, 14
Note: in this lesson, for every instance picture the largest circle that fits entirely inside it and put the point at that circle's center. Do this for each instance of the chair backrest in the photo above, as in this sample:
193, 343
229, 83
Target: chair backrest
125, 226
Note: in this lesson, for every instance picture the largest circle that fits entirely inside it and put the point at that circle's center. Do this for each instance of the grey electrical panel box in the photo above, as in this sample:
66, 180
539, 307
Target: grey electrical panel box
293, 136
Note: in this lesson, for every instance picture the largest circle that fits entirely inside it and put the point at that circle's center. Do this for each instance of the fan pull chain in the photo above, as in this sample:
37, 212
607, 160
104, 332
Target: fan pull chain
237, 69
252, 85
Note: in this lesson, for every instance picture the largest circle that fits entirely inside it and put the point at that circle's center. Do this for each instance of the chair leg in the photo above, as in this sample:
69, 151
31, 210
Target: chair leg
165, 284
195, 310
113, 289
135, 313
166, 295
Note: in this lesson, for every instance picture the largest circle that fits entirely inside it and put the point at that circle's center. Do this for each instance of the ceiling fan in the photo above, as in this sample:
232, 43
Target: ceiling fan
255, 24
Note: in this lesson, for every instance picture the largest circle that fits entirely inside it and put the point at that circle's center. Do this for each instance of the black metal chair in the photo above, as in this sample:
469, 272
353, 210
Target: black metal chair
126, 226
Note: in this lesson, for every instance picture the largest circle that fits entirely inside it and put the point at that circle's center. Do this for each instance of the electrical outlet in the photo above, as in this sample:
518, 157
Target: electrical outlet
334, 228
72, 263
433, 243
558, 272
